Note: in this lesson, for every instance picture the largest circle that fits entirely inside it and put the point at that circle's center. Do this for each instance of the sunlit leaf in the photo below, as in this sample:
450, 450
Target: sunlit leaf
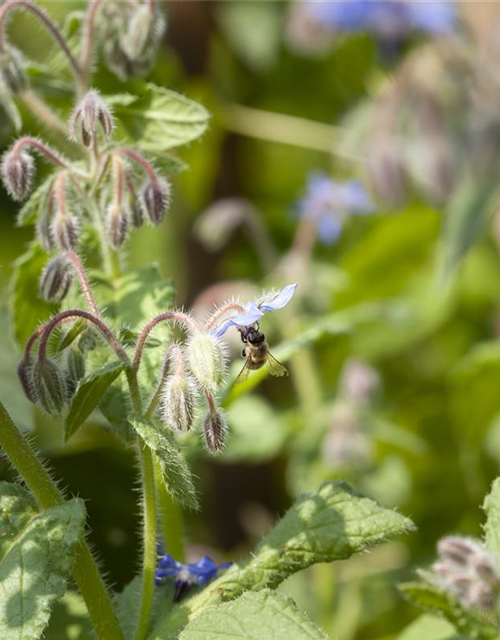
492, 527
430, 627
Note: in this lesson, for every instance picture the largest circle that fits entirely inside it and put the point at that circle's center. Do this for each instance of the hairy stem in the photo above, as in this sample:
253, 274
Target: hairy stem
48, 495
88, 42
221, 314
84, 283
44, 149
136, 157
43, 112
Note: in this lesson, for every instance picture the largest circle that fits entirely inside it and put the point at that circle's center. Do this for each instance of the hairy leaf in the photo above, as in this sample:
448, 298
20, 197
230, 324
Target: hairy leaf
177, 475
492, 527
33, 208
430, 627
158, 119
253, 616
128, 603
330, 524
466, 621
90, 392
27, 307
37, 556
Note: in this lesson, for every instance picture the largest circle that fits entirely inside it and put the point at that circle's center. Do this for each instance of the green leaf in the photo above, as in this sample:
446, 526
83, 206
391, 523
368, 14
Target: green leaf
90, 392
70, 620
73, 333
158, 119
36, 558
128, 603
17, 508
492, 527
430, 627
176, 472
466, 621
254, 616
28, 309
166, 164
35, 207
330, 524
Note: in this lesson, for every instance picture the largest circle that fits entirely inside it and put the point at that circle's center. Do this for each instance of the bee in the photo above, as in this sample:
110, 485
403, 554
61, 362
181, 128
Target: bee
256, 352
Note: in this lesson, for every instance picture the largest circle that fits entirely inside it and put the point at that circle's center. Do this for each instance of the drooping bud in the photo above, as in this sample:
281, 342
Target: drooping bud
56, 279
18, 169
215, 429
65, 231
179, 396
75, 365
156, 199
90, 113
206, 361
117, 221
140, 27
13, 78
44, 232
49, 385
133, 202
25, 374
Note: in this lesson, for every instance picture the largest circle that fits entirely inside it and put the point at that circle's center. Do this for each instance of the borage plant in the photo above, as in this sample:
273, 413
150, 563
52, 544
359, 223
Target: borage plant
149, 388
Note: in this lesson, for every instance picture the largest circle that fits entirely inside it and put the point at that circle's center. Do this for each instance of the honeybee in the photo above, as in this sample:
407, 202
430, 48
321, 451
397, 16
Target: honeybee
256, 352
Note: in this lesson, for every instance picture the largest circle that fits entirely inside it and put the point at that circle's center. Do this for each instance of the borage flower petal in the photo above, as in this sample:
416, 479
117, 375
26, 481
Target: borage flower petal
251, 315
187, 575
277, 299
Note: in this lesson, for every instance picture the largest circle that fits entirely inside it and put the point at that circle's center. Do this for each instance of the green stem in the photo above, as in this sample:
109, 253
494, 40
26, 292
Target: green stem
48, 495
171, 519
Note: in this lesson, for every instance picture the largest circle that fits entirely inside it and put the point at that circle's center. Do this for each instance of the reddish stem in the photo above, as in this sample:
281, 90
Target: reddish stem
88, 39
84, 283
220, 313
136, 157
28, 141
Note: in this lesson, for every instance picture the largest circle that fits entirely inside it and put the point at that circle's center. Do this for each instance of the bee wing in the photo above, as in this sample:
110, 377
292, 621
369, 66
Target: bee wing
243, 374
275, 367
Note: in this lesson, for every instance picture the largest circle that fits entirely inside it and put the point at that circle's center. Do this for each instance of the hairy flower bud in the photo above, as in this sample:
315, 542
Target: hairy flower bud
56, 279
65, 231
49, 385
140, 26
13, 78
206, 361
156, 199
179, 396
44, 232
18, 169
25, 374
117, 220
90, 113
75, 365
215, 429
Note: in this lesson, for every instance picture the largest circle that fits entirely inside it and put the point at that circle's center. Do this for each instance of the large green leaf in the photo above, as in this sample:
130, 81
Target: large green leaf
176, 472
466, 621
90, 392
158, 119
430, 627
330, 524
28, 309
253, 616
492, 527
36, 557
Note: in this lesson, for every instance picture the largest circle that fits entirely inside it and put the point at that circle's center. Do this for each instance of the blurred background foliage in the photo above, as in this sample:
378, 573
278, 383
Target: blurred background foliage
392, 343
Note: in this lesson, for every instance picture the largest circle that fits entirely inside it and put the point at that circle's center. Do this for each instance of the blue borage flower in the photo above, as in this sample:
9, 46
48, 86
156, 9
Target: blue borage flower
187, 575
254, 310
328, 203
389, 20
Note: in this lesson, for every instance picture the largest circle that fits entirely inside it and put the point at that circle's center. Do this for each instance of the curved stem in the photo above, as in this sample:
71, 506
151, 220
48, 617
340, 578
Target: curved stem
84, 283
136, 157
47, 22
218, 315
88, 42
48, 495
28, 141
77, 313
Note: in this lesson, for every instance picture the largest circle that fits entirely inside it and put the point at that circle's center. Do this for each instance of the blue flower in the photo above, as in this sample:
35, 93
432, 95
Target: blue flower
389, 20
253, 311
328, 203
187, 575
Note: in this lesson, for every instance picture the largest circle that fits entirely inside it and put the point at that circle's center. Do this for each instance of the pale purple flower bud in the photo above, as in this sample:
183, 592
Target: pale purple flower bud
18, 169
90, 113
215, 429
117, 221
25, 374
65, 231
56, 279
156, 199
13, 78
49, 386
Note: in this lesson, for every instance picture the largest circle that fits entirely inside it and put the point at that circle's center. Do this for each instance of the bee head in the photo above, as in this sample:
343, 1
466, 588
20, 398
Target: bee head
251, 334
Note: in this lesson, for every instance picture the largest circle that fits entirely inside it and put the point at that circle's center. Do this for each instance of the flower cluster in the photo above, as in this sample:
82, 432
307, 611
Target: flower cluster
467, 571
328, 204
187, 575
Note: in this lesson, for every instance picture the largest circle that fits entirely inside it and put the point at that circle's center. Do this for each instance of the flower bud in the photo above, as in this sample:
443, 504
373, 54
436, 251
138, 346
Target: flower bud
65, 231
206, 361
156, 199
140, 27
18, 169
49, 385
44, 232
179, 396
215, 428
116, 224
90, 112
56, 279
75, 365
25, 374
13, 78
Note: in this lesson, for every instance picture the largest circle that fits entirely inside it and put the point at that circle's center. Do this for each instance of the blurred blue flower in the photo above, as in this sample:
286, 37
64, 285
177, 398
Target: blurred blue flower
255, 310
389, 20
187, 575
328, 203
